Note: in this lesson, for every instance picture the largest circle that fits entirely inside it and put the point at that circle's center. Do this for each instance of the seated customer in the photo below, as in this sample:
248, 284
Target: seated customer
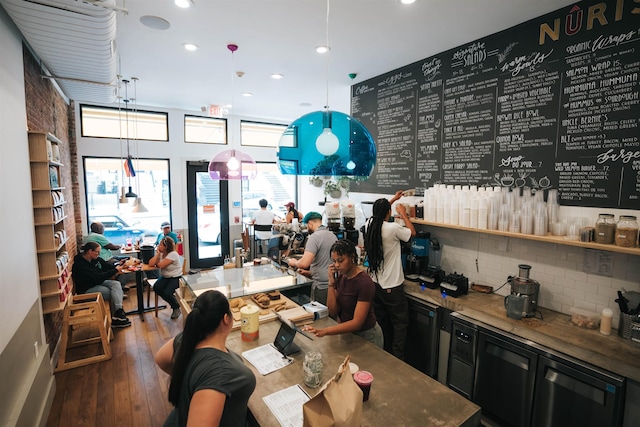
350, 297
210, 384
168, 261
166, 232
97, 236
93, 274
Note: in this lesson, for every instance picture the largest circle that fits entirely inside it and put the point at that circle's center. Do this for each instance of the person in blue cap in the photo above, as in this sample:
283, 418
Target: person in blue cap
166, 232
317, 256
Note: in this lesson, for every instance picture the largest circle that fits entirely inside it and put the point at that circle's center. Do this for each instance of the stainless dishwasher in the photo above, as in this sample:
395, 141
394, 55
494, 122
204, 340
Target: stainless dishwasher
571, 393
505, 377
421, 348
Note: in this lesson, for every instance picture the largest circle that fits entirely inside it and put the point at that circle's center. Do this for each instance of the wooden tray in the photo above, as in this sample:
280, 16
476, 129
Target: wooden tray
267, 314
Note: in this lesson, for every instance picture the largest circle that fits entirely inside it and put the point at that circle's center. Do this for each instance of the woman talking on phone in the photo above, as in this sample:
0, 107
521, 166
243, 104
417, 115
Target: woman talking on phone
350, 296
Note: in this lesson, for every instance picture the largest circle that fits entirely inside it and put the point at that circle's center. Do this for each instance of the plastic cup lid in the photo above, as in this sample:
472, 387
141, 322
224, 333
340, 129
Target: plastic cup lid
363, 377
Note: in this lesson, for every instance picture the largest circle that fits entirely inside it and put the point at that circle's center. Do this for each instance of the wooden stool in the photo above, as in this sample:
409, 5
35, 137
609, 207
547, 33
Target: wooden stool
150, 283
87, 310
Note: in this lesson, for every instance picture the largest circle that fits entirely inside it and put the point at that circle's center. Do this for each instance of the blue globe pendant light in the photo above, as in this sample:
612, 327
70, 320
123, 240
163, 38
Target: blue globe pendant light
326, 143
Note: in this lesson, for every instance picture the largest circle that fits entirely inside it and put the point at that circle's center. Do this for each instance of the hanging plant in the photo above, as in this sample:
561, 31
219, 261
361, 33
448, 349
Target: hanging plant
332, 189
316, 181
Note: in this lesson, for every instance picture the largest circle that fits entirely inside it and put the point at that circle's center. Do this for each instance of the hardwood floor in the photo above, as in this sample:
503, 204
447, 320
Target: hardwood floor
129, 389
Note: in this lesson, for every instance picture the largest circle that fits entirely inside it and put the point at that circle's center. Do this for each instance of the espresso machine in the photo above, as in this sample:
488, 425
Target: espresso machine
523, 300
418, 258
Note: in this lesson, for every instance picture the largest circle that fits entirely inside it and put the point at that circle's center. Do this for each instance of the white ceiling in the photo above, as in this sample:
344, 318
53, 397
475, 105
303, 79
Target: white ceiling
367, 37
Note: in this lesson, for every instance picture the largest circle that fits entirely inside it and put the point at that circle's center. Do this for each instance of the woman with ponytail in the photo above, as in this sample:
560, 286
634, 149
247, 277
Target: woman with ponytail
382, 241
210, 385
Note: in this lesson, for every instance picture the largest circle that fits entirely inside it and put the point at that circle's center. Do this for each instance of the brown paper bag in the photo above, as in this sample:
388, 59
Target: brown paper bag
337, 404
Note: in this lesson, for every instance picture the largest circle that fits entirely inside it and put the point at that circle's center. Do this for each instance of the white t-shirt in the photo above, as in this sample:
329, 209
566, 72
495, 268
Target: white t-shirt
175, 268
263, 217
392, 274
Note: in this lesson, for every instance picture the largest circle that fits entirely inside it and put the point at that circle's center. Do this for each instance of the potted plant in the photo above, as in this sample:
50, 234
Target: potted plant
316, 181
332, 189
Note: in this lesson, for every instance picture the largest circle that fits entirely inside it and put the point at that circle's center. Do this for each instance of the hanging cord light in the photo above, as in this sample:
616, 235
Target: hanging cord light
128, 164
139, 207
123, 198
326, 142
232, 164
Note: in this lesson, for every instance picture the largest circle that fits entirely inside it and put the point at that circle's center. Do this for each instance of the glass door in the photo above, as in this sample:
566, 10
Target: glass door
208, 207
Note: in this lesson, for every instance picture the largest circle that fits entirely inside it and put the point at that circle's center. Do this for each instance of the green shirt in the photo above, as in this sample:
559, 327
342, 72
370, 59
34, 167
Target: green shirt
105, 253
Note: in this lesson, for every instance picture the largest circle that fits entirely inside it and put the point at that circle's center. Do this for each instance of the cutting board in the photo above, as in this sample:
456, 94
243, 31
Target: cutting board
266, 314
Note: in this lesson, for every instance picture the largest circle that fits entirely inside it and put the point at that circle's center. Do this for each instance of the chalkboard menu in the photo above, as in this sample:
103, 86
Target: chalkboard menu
551, 103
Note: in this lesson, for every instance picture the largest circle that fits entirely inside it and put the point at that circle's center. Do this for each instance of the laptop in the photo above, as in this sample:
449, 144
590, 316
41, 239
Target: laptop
284, 340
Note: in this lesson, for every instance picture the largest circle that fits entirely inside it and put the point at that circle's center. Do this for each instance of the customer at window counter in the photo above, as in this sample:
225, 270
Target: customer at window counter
264, 217
382, 242
317, 256
166, 232
91, 273
168, 261
350, 296
210, 384
292, 213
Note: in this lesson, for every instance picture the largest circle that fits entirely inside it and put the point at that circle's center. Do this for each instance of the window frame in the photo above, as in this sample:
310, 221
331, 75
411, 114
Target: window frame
226, 129
253, 122
122, 111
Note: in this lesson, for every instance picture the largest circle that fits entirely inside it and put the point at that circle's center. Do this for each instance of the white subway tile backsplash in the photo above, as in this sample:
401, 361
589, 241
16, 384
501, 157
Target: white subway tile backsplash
557, 267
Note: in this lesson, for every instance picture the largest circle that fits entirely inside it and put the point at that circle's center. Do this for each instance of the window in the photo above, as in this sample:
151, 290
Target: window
103, 178
109, 122
260, 134
270, 184
205, 130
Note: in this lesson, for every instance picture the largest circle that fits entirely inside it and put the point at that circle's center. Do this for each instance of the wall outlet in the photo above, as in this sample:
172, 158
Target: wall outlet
35, 349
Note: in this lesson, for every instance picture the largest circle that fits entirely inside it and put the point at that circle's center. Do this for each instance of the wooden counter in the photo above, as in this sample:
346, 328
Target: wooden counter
554, 331
400, 394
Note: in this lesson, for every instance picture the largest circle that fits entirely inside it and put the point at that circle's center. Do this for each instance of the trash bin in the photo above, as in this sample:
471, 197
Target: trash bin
146, 253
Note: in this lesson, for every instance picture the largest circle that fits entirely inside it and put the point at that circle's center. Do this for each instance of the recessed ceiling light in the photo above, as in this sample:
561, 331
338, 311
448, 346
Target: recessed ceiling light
190, 46
182, 3
407, 1
247, 94
322, 49
277, 76
154, 22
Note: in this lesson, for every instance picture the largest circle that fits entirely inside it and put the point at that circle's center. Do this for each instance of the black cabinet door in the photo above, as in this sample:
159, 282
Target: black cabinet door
505, 375
569, 395
421, 348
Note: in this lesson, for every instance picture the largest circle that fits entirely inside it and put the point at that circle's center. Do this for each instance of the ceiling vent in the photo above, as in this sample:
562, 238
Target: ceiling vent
75, 40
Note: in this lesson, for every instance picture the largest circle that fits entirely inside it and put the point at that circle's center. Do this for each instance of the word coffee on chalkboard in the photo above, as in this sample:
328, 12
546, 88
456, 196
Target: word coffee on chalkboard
550, 103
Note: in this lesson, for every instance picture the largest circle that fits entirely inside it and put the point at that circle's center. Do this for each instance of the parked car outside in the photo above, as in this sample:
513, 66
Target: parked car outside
118, 230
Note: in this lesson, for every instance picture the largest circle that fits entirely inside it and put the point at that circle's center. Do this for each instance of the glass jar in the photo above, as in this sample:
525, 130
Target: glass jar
627, 231
312, 369
605, 229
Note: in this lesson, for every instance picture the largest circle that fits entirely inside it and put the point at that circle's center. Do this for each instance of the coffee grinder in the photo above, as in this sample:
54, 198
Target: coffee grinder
418, 258
523, 301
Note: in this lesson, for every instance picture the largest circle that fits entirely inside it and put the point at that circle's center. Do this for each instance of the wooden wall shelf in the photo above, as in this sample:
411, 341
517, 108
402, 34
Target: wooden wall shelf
48, 218
560, 240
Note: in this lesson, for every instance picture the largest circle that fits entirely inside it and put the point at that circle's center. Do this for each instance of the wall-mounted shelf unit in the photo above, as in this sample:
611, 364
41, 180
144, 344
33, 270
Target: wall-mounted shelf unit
48, 217
560, 240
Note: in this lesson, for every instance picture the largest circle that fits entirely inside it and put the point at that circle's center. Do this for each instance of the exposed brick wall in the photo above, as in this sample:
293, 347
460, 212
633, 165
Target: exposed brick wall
47, 111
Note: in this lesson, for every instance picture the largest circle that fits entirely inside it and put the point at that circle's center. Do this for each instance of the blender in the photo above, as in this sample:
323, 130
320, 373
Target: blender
523, 300
418, 258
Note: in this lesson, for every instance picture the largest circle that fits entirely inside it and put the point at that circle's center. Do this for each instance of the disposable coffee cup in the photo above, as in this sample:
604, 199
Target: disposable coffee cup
250, 323
364, 380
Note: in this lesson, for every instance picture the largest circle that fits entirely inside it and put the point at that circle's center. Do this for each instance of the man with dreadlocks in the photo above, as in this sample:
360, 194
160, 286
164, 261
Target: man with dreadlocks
383, 245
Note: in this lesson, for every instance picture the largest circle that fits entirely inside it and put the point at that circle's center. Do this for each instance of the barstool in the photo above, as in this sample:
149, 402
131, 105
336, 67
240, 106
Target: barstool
87, 310
256, 241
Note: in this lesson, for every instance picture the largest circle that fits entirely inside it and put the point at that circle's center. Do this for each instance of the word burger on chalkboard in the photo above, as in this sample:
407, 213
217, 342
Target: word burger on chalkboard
550, 103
